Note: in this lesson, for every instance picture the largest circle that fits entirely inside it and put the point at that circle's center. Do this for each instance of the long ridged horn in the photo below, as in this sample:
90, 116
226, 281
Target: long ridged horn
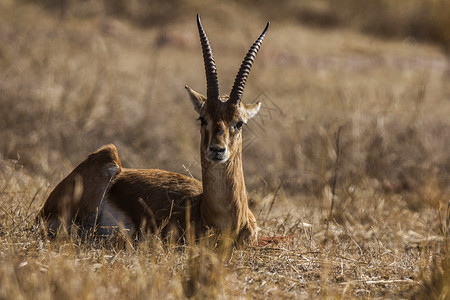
244, 70
212, 82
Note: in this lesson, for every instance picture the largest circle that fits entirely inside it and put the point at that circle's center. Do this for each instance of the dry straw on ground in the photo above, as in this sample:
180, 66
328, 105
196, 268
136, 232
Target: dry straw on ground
83, 74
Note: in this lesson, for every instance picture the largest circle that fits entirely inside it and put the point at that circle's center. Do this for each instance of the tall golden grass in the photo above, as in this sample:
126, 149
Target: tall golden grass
79, 74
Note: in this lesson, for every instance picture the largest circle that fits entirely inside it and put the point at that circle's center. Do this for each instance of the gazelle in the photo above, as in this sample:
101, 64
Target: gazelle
100, 195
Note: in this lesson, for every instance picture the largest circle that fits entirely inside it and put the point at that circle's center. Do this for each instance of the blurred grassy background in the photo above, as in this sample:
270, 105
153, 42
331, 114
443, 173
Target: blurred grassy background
77, 74
417, 19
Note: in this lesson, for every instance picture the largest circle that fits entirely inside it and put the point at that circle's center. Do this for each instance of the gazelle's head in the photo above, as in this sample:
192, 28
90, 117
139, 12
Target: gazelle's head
222, 117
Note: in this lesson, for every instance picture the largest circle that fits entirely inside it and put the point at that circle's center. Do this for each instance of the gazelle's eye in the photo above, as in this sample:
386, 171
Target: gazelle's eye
239, 125
202, 121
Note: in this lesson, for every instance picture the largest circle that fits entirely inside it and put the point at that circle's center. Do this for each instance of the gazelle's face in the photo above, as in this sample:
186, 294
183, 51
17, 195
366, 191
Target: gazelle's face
221, 125
222, 118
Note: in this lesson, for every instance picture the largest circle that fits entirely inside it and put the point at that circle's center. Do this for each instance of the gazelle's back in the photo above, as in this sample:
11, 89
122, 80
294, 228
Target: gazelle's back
151, 197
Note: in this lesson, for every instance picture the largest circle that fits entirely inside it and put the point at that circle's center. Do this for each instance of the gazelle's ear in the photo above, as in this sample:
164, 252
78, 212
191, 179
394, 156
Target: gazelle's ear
252, 109
198, 100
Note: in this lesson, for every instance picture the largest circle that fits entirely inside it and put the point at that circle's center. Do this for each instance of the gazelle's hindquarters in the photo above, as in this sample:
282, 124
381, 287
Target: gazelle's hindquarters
79, 197
102, 198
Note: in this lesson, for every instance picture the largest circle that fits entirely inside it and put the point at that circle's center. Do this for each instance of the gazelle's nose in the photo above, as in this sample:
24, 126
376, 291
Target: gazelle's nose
217, 150
217, 154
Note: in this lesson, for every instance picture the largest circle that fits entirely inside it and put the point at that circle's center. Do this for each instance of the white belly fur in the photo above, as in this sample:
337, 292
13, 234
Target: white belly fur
112, 220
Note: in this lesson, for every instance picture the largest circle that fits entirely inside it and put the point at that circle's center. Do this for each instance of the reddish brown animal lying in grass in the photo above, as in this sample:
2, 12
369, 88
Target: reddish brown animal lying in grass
100, 196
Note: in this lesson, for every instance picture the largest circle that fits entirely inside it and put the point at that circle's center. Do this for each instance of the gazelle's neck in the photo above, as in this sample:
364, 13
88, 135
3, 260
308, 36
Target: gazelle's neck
224, 205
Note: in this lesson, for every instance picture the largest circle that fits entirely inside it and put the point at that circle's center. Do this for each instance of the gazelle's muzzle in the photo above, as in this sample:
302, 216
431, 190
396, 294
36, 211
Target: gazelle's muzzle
217, 154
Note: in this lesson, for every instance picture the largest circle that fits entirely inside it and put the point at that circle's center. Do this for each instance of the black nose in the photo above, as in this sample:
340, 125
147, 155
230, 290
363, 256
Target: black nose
217, 150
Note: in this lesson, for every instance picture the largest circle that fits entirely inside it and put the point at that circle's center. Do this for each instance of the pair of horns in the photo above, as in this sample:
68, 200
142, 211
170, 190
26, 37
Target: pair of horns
212, 82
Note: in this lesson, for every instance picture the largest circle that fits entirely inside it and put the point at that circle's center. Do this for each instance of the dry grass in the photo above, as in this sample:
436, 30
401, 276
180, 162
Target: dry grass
69, 84
414, 20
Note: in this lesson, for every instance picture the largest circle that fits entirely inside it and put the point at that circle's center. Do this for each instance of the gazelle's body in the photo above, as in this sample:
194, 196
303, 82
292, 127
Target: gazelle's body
101, 196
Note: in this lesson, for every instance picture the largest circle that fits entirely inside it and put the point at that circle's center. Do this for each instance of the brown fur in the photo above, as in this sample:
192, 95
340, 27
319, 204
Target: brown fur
151, 198
166, 197
78, 196
224, 204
